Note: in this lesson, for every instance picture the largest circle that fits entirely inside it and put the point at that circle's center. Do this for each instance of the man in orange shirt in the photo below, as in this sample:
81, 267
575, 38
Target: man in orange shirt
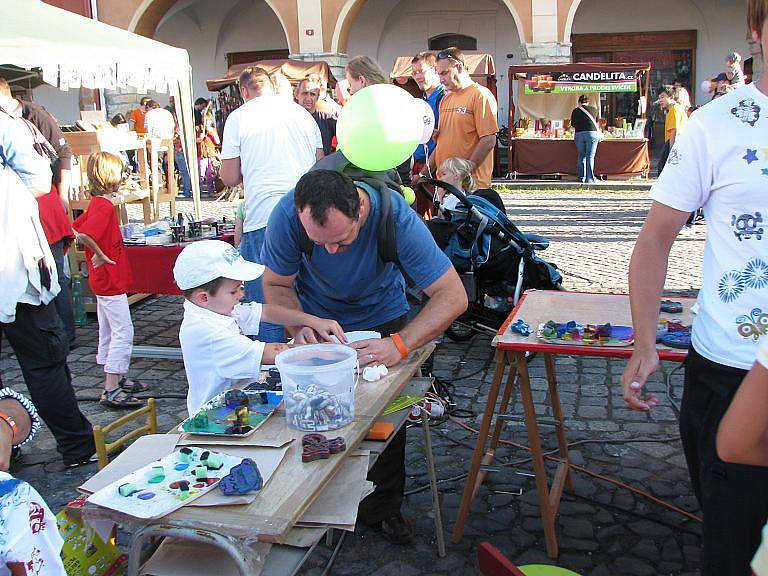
468, 125
136, 117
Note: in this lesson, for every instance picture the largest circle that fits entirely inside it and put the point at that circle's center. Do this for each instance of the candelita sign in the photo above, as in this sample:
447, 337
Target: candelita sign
583, 81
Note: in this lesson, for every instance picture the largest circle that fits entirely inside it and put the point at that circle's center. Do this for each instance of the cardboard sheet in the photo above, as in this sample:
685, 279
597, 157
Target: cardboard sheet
149, 448
181, 558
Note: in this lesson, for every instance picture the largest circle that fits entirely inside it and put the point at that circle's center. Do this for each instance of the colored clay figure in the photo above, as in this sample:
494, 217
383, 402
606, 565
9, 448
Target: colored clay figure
671, 307
201, 473
242, 479
200, 421
317, 447
521, 328
185, 455
156, 475
235, 398
126, 490
214, 461
242, 415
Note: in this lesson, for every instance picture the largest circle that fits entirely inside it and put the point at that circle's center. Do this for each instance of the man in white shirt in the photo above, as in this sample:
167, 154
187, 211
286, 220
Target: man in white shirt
159, 122
721, 163
269, 143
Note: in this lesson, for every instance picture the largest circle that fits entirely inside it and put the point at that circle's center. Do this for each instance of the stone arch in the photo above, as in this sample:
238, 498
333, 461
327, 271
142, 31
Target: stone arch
348, 11
568, 27
148, 14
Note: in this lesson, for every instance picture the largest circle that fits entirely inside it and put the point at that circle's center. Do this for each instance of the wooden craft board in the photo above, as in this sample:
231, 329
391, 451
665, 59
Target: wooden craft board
295, 485
538, 306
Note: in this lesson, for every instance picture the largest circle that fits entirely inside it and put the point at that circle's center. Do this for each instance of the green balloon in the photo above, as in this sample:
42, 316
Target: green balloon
379, 127
544, 570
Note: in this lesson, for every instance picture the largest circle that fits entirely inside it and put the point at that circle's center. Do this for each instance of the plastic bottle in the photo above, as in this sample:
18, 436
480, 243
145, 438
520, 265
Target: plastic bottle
78, 303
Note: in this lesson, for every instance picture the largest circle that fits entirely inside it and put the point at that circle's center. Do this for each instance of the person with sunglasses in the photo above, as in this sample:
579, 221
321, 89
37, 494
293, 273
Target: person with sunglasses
468, 125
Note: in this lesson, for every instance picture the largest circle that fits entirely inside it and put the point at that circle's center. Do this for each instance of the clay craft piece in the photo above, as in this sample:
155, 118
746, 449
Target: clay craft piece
575, 334
673, 333
233, 413
671, 307
126, 490
243, 478
317, 447
521, 327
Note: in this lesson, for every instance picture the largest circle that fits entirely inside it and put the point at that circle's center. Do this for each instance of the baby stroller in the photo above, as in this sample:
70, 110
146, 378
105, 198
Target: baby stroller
495, 260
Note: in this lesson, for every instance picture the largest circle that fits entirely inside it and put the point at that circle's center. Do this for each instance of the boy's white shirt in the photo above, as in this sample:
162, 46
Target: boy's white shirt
720, 163
217, 354
28, 530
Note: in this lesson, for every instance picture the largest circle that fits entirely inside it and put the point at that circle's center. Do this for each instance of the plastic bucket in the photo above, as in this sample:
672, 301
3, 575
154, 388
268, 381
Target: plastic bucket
318, 386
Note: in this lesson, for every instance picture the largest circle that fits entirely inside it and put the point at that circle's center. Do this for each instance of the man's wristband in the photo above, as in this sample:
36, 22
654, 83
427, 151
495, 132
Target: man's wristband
400, 345
12, 423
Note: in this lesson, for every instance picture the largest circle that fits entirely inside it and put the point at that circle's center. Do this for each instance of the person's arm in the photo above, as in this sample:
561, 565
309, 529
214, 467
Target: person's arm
230, 171
671, 134
287, 316
447, 301
743, 434
23, 413
279, 291
99, 257
483, 148
647, 271
429, 168
238, 231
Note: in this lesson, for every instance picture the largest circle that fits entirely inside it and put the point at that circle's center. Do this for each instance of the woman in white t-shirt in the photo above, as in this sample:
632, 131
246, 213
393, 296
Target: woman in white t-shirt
719, 163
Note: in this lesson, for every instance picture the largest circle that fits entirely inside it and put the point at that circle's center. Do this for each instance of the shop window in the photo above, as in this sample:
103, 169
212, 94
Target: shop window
460, 41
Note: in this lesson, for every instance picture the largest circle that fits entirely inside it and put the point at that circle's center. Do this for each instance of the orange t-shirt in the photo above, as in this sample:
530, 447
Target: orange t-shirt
137, 116
467, 115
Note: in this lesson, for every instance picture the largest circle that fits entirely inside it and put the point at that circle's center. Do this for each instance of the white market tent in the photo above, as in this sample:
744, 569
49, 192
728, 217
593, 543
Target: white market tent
74, 51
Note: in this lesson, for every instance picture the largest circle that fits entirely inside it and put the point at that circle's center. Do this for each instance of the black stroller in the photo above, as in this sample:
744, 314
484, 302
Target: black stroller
495, 260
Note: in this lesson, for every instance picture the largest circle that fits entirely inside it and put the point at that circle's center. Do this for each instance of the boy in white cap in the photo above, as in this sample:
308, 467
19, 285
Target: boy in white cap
217, 354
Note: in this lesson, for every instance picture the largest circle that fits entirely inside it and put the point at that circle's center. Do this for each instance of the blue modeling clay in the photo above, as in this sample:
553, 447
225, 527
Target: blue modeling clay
242, 479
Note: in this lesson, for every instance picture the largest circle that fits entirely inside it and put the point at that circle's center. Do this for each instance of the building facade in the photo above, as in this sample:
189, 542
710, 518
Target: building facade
683, 39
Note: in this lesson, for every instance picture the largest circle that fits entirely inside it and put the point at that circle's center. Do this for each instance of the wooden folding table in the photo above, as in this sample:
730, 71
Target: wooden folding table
535, 308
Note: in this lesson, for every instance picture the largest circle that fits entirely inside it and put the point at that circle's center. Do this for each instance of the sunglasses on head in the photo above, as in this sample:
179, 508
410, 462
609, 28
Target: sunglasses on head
447, 55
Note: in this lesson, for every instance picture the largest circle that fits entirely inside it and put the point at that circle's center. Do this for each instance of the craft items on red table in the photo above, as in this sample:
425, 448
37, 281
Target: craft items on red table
317, 446
673, 333
166, 484
233, 413
671, 307
574, 334
242, 479
521, 327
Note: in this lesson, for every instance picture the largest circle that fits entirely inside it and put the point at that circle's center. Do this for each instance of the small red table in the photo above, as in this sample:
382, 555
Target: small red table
535, 308
153, 267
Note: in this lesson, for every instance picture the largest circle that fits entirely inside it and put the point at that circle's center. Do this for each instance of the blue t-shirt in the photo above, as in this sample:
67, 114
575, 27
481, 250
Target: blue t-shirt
433, 100
354, 287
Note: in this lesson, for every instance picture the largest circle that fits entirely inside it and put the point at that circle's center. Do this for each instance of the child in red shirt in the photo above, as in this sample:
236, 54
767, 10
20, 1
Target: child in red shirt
109, 277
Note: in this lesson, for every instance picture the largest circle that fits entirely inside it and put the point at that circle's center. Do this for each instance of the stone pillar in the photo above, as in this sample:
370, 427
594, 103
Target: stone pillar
336, 61
545, 52
755, 50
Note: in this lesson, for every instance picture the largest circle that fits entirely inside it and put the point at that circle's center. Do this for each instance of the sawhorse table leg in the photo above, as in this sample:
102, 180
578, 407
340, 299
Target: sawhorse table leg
549, 498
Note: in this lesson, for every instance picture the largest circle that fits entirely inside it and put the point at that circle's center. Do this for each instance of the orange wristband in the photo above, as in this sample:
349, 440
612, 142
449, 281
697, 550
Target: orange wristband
398, 340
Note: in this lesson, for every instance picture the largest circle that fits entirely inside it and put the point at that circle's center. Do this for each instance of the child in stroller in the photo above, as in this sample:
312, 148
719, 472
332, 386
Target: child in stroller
495, 260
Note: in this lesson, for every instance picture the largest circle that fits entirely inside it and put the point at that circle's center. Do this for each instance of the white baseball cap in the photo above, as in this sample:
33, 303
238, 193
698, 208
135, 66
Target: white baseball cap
206, 260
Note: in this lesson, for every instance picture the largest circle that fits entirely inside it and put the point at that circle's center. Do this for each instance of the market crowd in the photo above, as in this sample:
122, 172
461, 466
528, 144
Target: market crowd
303, 216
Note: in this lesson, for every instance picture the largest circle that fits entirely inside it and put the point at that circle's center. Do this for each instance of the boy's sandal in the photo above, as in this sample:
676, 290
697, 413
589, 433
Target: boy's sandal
119, 398
133, 386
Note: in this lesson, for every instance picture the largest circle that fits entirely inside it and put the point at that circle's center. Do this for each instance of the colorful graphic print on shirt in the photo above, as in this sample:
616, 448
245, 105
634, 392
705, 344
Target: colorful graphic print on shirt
747, 111
747, 226
753, 325
734, 283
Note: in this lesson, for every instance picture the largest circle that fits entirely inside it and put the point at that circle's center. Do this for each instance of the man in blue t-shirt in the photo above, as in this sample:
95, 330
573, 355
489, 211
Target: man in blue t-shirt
424, 72
344, 278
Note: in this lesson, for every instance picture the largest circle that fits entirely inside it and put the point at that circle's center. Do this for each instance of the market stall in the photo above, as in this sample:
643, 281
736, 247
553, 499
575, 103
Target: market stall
295, 70
541, 100
72, 51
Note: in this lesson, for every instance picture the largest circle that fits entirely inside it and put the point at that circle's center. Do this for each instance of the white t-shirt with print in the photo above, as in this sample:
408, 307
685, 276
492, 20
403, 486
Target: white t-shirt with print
276, 141
28, 530
720, 163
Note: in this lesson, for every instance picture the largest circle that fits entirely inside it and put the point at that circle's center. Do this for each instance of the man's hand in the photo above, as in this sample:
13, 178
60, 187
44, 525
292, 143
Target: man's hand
415, 179
641, 365
99, 260
306, 336
377, 351
6, 444
324, 328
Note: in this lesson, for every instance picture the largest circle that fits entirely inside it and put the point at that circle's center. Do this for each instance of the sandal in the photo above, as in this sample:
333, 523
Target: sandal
119, 398
133, 386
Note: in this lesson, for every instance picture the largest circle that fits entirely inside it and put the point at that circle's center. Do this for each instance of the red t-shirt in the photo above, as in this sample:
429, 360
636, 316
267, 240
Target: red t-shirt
100, 223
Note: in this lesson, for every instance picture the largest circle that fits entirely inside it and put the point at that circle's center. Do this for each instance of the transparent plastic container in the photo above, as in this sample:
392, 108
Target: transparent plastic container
318, 386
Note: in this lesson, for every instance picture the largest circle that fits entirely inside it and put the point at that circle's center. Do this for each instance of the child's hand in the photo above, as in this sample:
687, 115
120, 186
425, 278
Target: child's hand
324, 328
98, 260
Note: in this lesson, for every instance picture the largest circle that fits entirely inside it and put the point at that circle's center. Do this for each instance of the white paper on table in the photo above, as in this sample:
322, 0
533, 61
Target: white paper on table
177, 557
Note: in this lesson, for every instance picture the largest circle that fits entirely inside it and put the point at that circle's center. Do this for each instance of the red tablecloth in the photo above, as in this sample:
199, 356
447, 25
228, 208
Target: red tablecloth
153, 267
549, 156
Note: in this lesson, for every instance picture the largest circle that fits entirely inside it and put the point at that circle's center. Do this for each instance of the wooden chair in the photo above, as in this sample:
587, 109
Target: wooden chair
493, 563
104, 448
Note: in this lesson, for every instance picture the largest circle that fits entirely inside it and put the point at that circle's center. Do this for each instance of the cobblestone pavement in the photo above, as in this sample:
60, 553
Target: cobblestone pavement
602, 529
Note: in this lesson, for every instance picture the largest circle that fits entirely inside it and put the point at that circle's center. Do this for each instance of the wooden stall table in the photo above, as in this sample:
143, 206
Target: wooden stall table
280, 504
535, 308
559, 156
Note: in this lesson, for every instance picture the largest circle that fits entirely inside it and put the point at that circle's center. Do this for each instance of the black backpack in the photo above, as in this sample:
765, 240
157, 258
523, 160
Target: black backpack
385, 183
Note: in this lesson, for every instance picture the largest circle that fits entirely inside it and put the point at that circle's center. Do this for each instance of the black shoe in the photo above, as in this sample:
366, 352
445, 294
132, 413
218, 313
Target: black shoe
84, 461
395, 529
